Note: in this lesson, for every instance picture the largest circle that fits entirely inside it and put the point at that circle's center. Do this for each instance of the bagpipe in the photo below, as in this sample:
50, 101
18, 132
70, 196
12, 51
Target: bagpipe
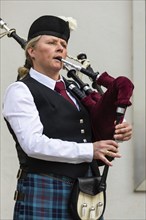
105, 108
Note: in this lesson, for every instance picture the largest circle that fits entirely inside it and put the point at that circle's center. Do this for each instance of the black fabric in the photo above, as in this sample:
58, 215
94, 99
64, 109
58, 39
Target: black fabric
55, 110
49, 25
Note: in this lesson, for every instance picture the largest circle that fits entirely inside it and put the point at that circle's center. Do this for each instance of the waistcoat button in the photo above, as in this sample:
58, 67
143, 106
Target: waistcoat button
81, 121
82, 131
84, 140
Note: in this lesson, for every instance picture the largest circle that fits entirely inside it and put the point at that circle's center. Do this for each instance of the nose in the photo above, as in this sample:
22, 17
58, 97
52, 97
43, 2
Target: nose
60, 47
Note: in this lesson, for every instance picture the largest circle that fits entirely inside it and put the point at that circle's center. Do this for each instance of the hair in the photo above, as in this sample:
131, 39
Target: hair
24, 70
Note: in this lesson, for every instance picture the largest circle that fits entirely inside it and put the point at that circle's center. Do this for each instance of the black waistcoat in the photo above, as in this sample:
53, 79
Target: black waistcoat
60, 120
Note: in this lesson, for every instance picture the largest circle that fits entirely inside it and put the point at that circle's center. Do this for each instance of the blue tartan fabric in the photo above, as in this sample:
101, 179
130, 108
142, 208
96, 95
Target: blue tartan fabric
46, 198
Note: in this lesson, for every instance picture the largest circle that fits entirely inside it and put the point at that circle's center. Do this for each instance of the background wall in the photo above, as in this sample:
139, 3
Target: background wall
105, 33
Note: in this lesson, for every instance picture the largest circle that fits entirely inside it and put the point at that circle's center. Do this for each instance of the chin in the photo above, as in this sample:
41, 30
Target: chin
57, 68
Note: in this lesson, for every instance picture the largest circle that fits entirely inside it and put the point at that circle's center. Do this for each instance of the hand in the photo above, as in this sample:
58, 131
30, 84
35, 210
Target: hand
123, 132
105, 148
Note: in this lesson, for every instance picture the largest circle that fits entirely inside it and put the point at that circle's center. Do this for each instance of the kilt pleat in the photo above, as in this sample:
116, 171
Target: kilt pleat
46, 198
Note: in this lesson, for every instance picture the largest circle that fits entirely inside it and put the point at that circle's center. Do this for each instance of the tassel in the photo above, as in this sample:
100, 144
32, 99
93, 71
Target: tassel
92, 213
84, 207
98, 209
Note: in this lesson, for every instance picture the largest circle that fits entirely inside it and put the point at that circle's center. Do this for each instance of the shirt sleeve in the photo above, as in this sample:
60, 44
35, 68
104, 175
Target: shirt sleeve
20, 111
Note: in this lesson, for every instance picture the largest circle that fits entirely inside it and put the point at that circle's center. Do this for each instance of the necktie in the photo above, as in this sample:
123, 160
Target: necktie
60, 88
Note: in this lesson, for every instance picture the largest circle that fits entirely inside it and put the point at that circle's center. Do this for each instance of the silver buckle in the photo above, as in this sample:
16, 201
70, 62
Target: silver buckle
16, 195
19, 173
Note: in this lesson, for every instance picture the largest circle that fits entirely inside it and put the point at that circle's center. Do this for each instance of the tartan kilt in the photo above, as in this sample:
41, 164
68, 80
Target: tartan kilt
46, 198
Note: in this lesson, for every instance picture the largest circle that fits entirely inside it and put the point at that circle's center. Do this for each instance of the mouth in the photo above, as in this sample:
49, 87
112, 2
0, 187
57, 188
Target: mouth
59, 58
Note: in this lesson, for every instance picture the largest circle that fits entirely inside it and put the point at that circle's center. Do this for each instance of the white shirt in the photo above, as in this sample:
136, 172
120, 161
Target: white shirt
20, 111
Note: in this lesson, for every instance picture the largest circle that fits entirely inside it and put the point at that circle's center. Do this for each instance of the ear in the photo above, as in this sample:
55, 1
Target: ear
31, 52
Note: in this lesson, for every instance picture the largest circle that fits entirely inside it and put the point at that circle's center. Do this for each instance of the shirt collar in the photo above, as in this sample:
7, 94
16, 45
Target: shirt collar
43, 79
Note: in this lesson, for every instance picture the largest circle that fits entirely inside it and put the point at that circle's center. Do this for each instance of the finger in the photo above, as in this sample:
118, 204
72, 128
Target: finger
112, 154
106, 161
123, 124
126, 138
112, 148
111, 143
124, 127
121, 130
123, 137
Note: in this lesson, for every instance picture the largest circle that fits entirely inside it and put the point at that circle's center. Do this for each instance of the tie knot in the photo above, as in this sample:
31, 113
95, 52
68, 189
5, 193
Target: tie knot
59, 86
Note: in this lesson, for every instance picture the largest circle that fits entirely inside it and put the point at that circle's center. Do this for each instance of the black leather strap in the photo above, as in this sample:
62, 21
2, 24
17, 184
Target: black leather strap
18, 196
